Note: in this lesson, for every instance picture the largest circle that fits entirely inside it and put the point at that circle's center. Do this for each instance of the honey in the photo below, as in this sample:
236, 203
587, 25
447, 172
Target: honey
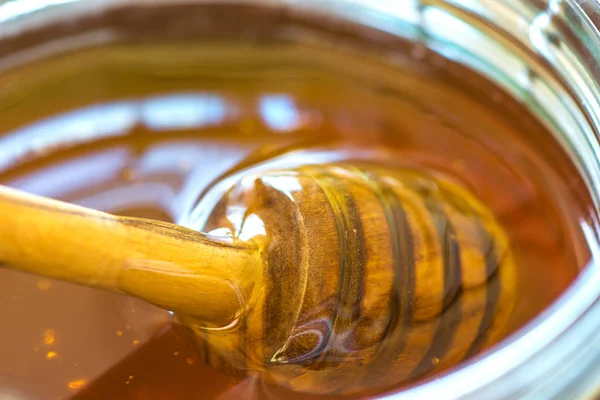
153, 131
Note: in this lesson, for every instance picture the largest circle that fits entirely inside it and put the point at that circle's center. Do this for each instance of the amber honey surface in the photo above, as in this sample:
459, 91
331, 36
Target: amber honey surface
145, 131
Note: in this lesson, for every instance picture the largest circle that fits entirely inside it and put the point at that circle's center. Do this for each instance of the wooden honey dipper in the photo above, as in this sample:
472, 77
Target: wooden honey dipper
350, 278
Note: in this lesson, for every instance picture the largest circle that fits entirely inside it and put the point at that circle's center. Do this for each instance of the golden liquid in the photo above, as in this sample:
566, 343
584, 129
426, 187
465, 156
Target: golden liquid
144, 131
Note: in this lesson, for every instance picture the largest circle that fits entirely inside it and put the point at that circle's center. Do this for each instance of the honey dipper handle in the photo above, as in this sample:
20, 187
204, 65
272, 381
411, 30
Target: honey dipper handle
164, 264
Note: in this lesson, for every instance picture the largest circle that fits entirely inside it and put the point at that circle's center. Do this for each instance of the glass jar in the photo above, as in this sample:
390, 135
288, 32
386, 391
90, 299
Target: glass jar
545, 53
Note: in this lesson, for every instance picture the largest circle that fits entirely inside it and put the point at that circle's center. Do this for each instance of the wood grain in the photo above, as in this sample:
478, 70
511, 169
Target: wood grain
164, 264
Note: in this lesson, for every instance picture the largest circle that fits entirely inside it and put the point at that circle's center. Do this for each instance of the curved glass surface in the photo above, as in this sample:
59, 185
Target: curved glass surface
545, 53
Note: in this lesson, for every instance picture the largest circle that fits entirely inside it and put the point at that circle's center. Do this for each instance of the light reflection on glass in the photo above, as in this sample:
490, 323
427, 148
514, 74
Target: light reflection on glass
172, 112
209, 160
474, 5
393, 16
183, 111
197, 216
73, 175
221, 233
279, 112
14, 9
253, 226
461, 42
285, 184
235, 215
79, 126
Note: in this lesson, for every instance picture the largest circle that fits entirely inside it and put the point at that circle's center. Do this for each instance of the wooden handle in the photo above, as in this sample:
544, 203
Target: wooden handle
164, 264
